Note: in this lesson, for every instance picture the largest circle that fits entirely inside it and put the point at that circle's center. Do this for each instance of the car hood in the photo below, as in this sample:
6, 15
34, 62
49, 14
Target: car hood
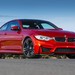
53, 32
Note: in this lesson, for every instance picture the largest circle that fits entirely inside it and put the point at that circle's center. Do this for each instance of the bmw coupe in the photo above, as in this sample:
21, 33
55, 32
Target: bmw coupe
34, 37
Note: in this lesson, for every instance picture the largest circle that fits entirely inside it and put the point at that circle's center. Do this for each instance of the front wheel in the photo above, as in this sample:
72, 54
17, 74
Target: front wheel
28, 48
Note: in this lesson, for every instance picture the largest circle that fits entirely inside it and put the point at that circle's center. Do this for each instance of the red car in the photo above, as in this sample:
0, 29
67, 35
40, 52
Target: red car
34, 37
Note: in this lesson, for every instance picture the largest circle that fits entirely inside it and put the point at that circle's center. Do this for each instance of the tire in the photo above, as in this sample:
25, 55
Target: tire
28, 48
72, 56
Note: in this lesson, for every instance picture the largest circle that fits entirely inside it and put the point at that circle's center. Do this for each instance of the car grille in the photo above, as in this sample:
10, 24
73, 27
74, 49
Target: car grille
63, 39
71, 39
60, 39
62, 50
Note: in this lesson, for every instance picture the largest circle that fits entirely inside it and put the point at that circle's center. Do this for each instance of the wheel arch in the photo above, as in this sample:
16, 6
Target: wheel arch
33, 40
26, 38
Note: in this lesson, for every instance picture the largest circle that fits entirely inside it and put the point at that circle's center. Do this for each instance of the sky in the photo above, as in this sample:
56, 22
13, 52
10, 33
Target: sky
59, 12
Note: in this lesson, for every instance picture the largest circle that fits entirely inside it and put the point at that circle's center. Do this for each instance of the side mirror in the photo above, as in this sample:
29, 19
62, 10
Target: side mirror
15, 28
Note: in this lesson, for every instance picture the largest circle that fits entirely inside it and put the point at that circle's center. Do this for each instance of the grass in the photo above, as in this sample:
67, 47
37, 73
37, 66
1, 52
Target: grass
12, 56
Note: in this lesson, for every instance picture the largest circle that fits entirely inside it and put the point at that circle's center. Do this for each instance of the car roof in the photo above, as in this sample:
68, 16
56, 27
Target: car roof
29, 20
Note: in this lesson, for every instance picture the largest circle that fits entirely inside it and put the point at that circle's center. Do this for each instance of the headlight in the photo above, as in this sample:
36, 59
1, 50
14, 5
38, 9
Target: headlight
41, 37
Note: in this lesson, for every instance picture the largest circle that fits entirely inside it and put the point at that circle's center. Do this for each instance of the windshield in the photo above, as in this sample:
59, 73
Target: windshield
38, 25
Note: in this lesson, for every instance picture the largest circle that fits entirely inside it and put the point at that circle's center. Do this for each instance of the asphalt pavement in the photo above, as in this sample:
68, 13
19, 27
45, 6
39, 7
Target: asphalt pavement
37, 67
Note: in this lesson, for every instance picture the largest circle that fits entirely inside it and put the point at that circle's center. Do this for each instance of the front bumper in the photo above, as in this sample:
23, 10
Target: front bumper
44, 47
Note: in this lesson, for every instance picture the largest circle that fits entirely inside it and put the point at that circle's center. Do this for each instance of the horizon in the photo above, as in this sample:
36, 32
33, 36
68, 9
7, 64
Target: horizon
60, 13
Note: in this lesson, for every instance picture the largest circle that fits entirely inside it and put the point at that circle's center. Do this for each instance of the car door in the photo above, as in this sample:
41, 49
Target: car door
3, 36
13, 38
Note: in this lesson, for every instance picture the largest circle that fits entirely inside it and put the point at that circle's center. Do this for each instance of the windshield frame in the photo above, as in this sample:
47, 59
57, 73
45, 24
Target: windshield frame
38, 23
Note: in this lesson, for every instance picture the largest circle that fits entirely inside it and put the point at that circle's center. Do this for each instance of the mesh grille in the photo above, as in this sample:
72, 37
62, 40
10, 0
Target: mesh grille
71, 39
45, 49
63, 39
60, 39
62, 50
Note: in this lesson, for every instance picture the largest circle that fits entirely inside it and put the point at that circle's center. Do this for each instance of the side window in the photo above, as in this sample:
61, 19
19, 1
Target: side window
13, 23
4, 27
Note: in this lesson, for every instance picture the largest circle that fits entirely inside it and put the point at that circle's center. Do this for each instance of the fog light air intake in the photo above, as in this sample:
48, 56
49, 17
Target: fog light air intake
46, 49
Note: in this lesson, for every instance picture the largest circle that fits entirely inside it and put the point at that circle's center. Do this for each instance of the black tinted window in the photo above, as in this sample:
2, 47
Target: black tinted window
30, 25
